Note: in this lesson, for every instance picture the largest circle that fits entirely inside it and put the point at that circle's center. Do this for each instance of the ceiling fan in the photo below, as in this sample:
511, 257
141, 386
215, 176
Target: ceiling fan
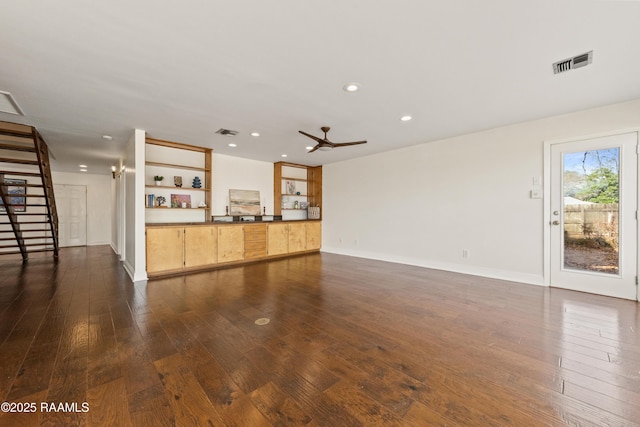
325, 144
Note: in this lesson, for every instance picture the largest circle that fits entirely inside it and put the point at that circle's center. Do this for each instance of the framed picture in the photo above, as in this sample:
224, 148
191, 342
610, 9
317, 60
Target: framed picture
15, 186
291, 187
244, 202
180, 201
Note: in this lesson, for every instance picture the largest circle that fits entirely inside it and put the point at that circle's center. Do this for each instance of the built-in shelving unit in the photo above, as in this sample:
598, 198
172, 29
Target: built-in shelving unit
295, 187
172, 159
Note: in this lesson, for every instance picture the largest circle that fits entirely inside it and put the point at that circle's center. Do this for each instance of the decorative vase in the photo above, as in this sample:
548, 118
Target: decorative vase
196, 183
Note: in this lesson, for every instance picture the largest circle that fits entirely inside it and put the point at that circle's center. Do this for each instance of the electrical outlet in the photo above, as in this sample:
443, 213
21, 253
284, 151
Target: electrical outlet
465, 253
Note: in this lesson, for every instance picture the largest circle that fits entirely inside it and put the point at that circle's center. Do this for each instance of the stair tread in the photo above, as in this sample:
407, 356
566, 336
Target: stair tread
26, 222
26, 245
31, 251
5, 172
5, 239
17, 147
20, 161
21, 185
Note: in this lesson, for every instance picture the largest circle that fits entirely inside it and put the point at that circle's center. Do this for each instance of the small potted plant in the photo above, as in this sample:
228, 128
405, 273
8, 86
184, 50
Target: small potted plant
158, 179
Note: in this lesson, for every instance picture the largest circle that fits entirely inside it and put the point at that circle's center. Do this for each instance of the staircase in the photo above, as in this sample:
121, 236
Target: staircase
28, 216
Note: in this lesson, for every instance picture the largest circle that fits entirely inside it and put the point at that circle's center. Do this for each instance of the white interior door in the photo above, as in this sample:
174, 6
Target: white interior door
71, 201
593, 237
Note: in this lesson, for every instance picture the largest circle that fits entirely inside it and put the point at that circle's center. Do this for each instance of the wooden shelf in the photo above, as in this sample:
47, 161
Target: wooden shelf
175, 188
311, 176
170, 165
164, 151
182, 209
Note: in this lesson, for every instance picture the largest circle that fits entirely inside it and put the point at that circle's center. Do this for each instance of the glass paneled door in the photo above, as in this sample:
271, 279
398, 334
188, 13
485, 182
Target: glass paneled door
593, 215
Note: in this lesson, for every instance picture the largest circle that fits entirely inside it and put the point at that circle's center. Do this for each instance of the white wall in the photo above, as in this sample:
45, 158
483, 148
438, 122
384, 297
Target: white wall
99, 203
240, 174
134, 220
425, 204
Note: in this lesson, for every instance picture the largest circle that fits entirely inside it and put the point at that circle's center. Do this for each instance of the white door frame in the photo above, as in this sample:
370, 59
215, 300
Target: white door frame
547, 197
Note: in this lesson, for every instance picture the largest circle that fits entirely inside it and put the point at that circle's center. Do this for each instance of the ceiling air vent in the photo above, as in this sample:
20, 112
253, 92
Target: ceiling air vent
571, 63
227, 132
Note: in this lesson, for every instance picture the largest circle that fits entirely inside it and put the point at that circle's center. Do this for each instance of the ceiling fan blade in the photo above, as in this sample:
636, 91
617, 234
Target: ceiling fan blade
314, 149
344, 144
315, 138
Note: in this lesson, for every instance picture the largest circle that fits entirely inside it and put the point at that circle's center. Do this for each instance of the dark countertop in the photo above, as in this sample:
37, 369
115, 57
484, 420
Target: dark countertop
180, 224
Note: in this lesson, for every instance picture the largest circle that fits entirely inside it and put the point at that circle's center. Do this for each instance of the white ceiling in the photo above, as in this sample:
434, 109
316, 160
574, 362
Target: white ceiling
182, 70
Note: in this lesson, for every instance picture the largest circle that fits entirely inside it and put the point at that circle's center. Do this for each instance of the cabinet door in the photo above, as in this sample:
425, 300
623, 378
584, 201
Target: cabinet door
255, 241
314, 235
200, 246
230, 243
164, 249
277, 239
297, 237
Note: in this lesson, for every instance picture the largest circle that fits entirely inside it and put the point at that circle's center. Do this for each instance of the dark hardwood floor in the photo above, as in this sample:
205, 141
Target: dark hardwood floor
350, 342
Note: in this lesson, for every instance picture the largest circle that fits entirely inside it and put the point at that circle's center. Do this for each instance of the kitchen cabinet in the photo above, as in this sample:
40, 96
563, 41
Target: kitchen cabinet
165, 249
255, 241
297, 237
313, 235
230, 243
175, 249
277, 239
200, 246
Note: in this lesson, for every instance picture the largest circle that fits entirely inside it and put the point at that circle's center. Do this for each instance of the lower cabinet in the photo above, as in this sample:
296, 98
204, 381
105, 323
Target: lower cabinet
297, 237
313, 231
165, 249
200, 246
230, 243
277, 239
255, 241
173, 248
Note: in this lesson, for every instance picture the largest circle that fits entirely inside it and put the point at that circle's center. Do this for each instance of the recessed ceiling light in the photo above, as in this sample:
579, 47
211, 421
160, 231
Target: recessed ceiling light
283, 155
232, 145
83, 170
351, 87
405, 118
107, 137
309, 148
255, 134
82, 166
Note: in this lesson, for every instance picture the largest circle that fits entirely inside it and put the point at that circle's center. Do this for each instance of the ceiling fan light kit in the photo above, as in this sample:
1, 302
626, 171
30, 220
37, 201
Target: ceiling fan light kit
324, 144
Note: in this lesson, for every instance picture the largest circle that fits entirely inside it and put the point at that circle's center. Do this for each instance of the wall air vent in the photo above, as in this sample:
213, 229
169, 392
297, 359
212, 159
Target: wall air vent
571, 63
227, 132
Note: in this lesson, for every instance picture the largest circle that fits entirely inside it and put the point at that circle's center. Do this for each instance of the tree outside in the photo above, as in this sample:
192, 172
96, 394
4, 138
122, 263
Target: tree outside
591, 196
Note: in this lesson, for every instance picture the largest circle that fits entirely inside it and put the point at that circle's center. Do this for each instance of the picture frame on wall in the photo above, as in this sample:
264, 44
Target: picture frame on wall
244, 202
15, 186
180, 201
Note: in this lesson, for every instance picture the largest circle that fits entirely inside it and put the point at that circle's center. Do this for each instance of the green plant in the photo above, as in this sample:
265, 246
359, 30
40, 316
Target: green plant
158, 178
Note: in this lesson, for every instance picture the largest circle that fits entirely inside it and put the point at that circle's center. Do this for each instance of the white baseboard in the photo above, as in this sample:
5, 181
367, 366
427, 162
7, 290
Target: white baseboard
492, 273
131, 271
